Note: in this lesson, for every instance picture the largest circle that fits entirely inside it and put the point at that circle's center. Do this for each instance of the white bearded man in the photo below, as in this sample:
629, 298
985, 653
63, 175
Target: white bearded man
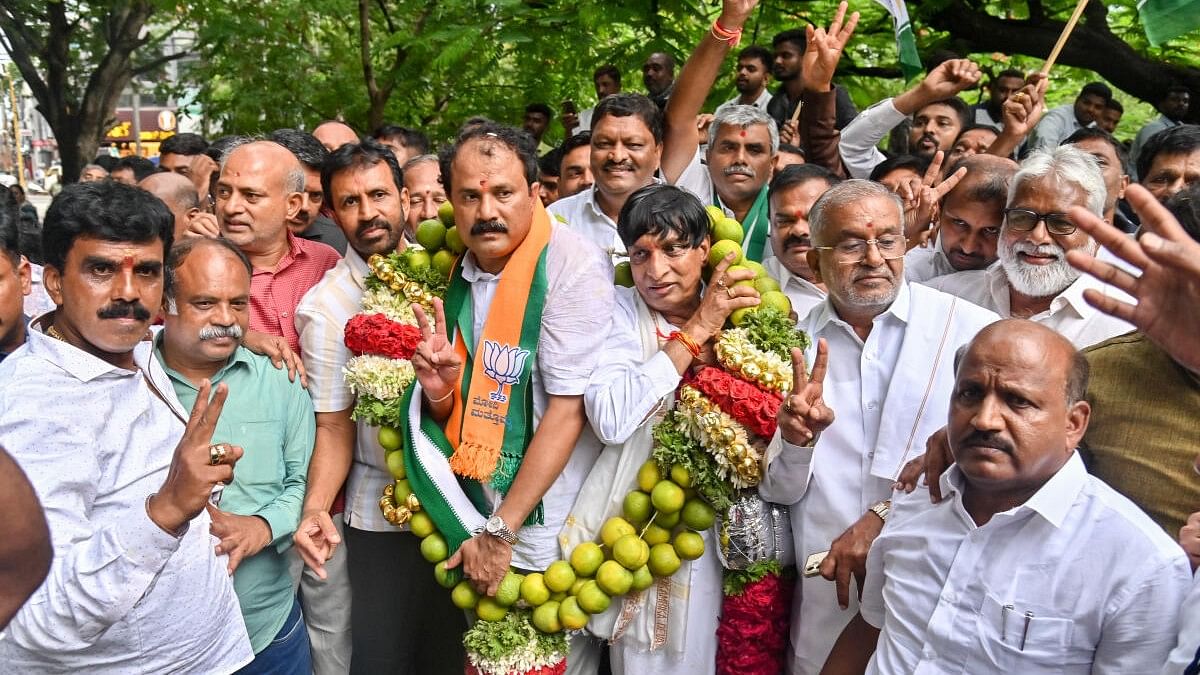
1032, 278
843, 443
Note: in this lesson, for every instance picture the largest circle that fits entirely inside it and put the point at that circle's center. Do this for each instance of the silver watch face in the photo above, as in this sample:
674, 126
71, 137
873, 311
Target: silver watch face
494, 525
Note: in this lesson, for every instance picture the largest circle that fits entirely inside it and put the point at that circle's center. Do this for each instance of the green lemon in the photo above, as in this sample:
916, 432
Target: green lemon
663, 560
534, 591
630, 551
395, 463
545, 617
431, 234
689, 545
434, 548
592, 599
636, 507
614, 528
586, 558
648, 475
559, 576
777, 300
464, 596
421, 524
698, 515
445, 578
728, 229
723, 248
765, 285
737, 316
571, 615
443, 262
681, 476
454, 242
510, 589
613, 578
389, 438
490, 610
446, 213
666, 520
419, 260
667, 497
656, 534
623, 274
715, 215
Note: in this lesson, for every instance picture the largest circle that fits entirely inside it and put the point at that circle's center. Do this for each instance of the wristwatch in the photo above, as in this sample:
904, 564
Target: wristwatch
495, 526
882, 509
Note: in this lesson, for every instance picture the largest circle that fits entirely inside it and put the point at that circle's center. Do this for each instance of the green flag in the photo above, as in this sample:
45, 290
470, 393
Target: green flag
1167, 19
906, 43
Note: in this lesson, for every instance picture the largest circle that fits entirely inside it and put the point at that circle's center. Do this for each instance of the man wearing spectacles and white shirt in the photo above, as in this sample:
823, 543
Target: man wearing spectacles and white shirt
1029, 565
1032, 279
890, 344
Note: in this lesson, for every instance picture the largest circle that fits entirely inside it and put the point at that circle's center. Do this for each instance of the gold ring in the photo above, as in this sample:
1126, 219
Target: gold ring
217, 453
721, 283
729, 292
787, 405
1019, 96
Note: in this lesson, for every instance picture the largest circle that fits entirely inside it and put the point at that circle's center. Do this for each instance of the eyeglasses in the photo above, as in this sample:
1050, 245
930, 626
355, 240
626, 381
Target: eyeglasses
1024, 220
851, 251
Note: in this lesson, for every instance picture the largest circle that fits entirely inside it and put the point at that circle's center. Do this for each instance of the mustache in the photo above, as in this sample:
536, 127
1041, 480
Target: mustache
740, 169
793, 241
216, 332
625, 166
125, 310
488, 226
379, 223
1031, 248
987, 439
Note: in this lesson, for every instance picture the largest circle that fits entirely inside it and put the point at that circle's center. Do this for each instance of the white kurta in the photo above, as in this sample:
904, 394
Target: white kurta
803, 293
889, 394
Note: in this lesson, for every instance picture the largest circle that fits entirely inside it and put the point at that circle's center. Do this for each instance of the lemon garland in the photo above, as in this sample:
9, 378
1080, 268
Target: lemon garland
738, 355
738, 457
415, 291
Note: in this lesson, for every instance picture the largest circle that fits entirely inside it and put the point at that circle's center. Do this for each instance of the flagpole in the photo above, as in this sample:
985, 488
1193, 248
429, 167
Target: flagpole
1062, 39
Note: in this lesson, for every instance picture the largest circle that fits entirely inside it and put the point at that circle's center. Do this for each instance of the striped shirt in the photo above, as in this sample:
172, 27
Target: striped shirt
321, 324
275, 293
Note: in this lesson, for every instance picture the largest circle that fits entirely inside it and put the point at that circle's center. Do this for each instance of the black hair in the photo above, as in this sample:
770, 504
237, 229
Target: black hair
792, 150
106, 162
540, 108
1114, 104
550, 164
217, 149
140, 166
757, 52
577, 141
794, 36
1183, 139
183, 144
635, 105
10, 234
796, 174
303, 145
988, 177
1096, 89
105, 210
1009, 72
516, 140
1185, 206
956, 104
412, 139
660, 211
917, 164
179, 253
362, 155
938, 57
1085, 133
610, 70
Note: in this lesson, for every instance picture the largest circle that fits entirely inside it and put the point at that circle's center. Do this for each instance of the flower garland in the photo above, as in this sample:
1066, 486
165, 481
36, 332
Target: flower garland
738, 457
513, 645
752, 407
738, 354
752, 637
377, 334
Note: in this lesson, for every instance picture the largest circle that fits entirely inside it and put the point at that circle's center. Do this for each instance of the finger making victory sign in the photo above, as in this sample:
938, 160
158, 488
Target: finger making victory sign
804, 415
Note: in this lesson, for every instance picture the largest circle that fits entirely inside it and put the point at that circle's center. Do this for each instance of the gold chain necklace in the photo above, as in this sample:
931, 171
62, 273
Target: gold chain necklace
53, 332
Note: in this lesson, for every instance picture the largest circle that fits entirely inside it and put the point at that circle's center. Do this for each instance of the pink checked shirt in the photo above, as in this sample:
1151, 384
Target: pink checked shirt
275, 293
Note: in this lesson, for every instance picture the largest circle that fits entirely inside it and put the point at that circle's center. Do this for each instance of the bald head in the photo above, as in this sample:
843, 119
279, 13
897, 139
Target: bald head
334, 135
258, 191
1059, 354
178, 193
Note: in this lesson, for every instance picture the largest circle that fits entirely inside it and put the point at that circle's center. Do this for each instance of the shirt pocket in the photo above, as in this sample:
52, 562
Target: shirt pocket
261, 464
1011, 641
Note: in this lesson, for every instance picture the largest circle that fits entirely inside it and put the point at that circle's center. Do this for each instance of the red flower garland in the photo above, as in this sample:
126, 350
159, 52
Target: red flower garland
556, 669
752, 638
377, 334
752, 407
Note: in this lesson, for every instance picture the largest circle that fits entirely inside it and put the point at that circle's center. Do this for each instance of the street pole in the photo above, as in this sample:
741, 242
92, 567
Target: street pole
16, 120
137, 119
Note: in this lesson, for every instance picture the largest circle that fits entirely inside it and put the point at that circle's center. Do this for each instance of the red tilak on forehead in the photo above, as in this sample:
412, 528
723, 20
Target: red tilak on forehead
483, 184
127, 261
743, 133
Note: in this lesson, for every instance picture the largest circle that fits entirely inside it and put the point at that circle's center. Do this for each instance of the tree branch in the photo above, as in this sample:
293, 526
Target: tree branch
158, 62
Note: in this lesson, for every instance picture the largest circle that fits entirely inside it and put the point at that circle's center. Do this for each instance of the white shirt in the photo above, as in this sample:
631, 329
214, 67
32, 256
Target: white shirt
804, 294
585, 121
1069, 313
761, 102
697, 180
584, 216
889, 394
859, 139
576, 321
123, 596
924, 263
321, 320
38, 302
1187, 650
625, 389
1100, 581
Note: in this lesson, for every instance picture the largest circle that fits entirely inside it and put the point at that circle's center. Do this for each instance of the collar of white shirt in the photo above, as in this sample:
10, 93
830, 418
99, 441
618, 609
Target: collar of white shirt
76, 362
359, 269
1052, 501
1070, 298
898, 309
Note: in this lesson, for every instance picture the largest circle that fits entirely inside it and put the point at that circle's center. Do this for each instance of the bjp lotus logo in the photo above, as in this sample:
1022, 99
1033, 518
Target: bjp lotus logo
503, 364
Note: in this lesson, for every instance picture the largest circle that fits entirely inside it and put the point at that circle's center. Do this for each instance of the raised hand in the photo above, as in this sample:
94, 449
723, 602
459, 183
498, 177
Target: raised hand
241, 536
804, 414
722, 298
435, 363
735, 12
193, 472
950, 78
824, 50
1023, 110
1168, 288
922, 199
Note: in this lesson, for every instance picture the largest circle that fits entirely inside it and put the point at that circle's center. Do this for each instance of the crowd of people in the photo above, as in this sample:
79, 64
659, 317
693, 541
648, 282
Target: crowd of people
988, 455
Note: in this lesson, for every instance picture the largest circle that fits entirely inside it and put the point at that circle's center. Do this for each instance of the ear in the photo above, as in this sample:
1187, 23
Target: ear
1078, 416
295, 202
1124, 184
25, 276
814, 264
52, 282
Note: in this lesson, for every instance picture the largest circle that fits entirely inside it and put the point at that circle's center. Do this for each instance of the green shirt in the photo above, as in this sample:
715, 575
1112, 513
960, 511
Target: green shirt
1144, 432
272, 420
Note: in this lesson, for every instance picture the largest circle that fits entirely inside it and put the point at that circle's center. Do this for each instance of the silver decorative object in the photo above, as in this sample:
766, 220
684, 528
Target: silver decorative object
753, 530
